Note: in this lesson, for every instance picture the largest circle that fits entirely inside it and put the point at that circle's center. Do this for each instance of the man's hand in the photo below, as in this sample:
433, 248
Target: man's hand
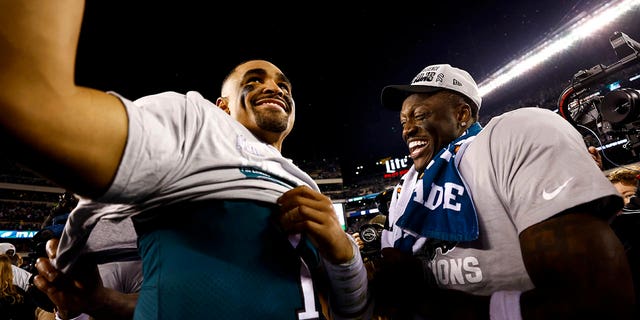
304, 210
70, 296
595, 154
83, 292
358, 239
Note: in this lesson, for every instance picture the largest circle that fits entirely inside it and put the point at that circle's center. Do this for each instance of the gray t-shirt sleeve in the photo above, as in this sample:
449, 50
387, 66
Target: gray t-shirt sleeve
543, 168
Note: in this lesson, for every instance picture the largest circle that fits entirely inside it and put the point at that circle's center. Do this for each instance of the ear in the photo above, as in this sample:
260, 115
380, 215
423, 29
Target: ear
464, 113
223, 103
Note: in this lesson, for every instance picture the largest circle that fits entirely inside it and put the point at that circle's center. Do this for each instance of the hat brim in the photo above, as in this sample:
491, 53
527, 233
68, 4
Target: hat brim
393, 96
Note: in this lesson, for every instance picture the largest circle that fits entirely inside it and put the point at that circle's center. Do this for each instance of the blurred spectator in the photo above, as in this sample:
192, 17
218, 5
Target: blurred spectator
625, 179
627, 223
7, 248
20, 276
22, 215
14, 302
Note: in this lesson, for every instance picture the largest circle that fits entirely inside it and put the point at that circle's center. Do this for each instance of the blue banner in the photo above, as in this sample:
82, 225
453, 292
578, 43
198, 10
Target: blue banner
17, 234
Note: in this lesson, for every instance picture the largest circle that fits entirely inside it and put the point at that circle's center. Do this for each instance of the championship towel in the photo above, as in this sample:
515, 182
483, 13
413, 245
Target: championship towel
441, 206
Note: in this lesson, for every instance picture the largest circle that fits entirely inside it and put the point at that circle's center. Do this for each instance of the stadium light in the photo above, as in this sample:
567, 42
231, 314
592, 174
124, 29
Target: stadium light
583, 26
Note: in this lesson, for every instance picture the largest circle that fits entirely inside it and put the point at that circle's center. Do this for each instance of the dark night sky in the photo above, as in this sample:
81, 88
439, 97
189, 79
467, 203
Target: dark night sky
338, 55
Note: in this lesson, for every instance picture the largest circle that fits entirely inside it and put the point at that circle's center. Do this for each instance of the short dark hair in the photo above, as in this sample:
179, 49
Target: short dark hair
456, 97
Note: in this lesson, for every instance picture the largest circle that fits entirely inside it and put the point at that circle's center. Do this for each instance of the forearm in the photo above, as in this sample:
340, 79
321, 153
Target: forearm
579, 269
70, 134
37, 46
38, 41
349, 292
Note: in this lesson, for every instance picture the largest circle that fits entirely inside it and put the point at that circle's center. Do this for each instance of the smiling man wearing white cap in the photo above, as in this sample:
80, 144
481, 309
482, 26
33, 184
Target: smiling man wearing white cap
506, 221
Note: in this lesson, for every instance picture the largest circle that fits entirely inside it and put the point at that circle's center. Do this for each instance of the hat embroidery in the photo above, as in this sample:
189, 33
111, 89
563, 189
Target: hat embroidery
427, 76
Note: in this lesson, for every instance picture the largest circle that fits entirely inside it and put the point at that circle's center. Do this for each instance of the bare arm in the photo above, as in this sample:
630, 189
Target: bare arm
70, 134
579, 268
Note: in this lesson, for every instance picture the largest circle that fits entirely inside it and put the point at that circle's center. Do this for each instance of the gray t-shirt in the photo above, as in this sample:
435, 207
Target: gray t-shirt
113, 244
522, 168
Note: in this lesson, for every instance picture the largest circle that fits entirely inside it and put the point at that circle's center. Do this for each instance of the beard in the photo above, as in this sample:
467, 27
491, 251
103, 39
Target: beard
272, 120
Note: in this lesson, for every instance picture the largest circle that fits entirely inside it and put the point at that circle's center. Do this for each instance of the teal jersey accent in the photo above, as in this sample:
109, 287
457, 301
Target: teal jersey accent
254, 173
231, 260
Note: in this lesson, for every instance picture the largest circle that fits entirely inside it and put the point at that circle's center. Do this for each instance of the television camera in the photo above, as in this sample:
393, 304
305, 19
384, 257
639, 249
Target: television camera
614, 113
604, 107
371, 231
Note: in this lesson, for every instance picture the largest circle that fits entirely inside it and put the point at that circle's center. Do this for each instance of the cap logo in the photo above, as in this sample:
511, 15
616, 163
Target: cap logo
433, 78
424, 76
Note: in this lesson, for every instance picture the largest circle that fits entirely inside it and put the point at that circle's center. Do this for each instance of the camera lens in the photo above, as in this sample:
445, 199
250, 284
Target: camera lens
621, 106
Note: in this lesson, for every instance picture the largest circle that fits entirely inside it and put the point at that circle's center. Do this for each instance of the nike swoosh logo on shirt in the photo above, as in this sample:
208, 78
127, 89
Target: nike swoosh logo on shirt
550, 195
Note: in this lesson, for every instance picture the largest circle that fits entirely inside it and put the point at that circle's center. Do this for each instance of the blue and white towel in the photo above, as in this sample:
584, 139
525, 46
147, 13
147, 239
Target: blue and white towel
441, 207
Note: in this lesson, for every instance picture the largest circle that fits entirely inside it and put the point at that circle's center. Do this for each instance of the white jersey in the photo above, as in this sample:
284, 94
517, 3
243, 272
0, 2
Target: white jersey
522, 168
181, 147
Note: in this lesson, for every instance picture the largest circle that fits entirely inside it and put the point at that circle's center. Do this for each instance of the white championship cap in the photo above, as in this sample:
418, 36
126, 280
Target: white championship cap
5, 246
432, 78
